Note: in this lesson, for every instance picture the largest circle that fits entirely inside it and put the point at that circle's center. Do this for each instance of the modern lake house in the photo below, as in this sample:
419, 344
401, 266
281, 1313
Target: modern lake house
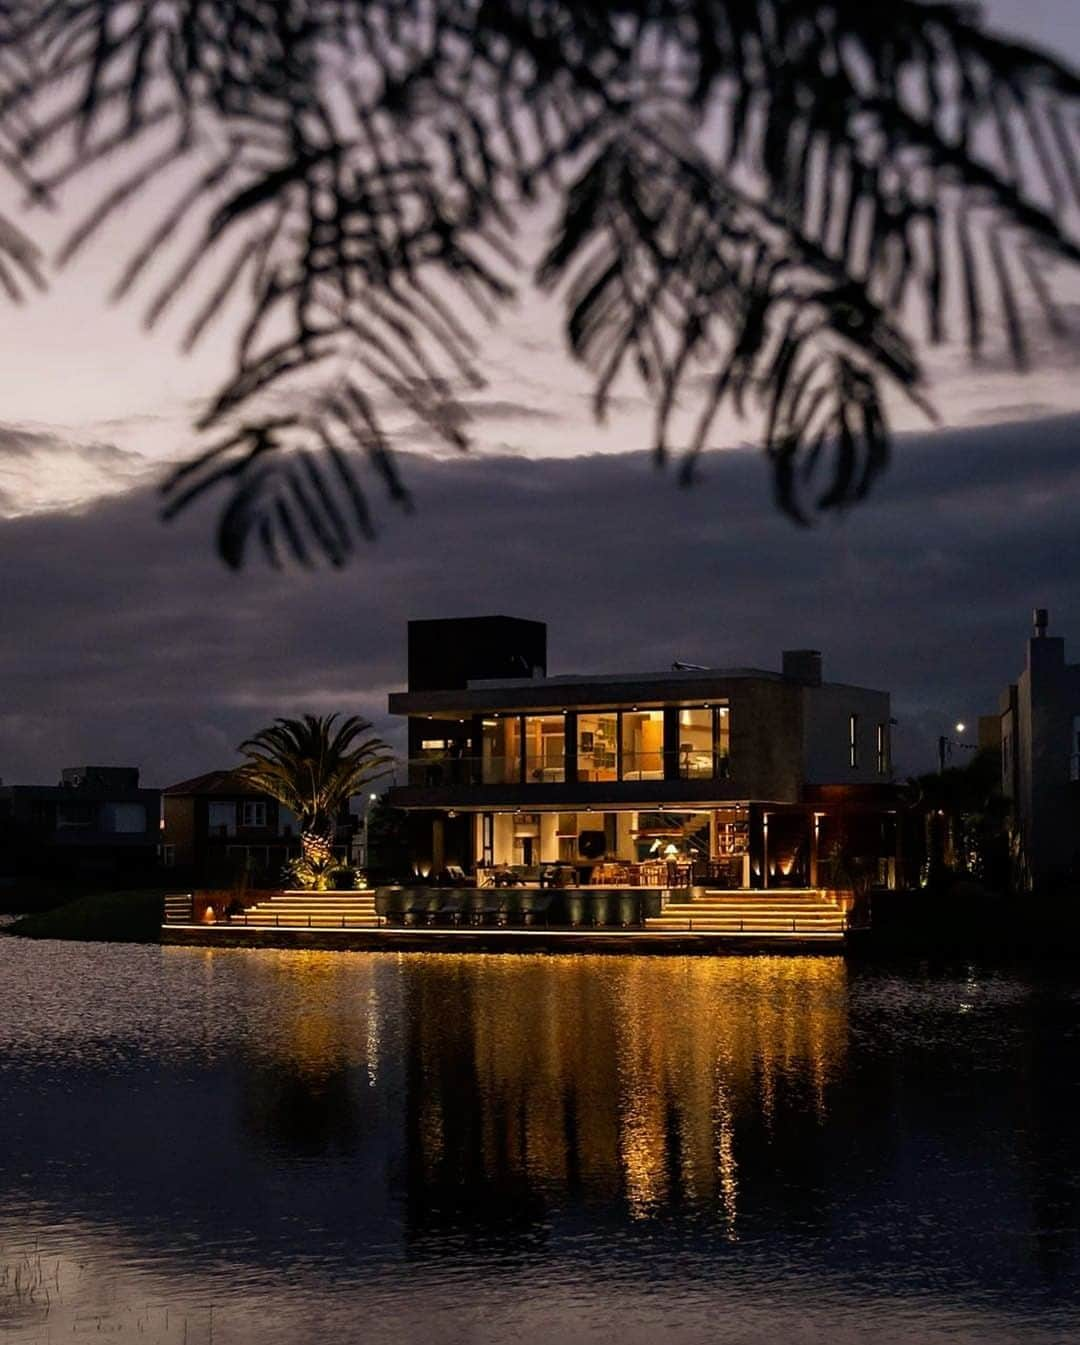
726, 778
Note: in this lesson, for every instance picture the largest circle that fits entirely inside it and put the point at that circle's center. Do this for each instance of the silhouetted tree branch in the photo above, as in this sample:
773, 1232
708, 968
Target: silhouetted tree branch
756, 200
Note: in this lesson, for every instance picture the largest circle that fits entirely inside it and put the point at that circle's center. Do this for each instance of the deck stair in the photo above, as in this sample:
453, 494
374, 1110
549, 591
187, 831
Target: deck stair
314, 910
781, 912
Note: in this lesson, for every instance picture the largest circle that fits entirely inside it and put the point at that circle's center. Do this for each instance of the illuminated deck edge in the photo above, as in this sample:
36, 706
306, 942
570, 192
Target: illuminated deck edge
399, 938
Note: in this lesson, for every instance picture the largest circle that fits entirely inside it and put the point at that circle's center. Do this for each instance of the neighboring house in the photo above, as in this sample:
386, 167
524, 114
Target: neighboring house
96, 823
216, 828
1040, 762
737, 776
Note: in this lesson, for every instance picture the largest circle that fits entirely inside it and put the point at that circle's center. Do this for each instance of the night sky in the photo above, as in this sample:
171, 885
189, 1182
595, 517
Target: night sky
125, 641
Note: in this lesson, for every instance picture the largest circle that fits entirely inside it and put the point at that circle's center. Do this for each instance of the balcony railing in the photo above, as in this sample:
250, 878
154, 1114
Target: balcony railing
437, 771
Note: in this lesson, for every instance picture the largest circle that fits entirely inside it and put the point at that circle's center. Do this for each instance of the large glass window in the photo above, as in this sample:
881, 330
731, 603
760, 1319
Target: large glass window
672, 836
642, 745
696, 746
221, 819
597, 746
125, 818
723, 741
501, 750
545, 748
75, 816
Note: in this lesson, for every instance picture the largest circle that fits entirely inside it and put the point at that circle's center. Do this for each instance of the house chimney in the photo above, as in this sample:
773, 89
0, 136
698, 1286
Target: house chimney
1042, 620
803, 665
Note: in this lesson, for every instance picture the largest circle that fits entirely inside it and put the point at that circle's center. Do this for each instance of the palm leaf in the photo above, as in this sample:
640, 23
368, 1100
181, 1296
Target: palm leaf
754, 197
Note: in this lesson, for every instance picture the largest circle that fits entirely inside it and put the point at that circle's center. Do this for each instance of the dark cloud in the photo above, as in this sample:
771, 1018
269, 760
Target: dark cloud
125, 641
44, 469
19, 443
501, 408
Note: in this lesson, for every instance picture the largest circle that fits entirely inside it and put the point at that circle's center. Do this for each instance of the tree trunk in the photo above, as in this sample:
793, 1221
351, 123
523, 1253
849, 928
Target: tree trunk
315, 848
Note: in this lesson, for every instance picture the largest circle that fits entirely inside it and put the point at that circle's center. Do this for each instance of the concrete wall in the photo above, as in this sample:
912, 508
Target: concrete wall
766, 740
179, 814
1047, 801
827, 713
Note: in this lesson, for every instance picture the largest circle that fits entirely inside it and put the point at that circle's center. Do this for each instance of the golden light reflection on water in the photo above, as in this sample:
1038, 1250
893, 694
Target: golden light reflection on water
628, 1078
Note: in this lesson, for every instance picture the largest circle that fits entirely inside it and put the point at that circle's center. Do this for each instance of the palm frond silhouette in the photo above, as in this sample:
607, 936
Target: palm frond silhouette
760, 203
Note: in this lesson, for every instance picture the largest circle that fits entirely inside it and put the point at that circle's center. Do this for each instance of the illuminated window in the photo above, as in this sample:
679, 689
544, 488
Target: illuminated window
642, 745
723, 741
501, 750
598, 745
882, 750
696, 748
853, 741
704, 740
545, 748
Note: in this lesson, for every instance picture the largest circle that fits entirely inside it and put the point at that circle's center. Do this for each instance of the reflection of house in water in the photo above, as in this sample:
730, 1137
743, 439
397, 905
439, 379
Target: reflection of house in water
621, 1083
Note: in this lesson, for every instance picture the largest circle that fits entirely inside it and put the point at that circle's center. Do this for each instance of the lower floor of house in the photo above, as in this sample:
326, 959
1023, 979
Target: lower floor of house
750, 844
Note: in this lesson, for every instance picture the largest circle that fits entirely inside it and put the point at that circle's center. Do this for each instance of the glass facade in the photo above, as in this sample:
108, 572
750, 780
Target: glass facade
642, 756
500, 756
697, 743
688, 743
598, 745
545, 748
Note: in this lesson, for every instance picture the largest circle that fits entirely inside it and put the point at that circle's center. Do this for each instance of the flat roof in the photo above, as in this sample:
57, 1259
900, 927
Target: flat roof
593, 679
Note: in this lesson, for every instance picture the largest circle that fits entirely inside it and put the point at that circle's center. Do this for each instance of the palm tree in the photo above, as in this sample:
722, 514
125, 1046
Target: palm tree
762, 204
314, 766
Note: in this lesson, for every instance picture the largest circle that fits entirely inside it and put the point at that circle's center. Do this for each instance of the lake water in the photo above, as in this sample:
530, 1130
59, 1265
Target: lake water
239, 1146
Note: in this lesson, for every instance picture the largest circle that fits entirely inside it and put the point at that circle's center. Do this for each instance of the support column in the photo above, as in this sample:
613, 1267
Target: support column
815, 835
438, 845
764, 849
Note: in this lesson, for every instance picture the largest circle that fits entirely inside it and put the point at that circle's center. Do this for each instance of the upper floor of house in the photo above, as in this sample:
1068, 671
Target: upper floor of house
687, 733
221, 806
90, 806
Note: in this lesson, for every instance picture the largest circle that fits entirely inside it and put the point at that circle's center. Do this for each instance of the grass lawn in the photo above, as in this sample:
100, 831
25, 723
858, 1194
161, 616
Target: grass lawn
103, 917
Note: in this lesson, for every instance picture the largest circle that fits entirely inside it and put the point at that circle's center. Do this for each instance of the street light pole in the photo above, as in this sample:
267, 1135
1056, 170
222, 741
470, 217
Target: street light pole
367, 813
945, 746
